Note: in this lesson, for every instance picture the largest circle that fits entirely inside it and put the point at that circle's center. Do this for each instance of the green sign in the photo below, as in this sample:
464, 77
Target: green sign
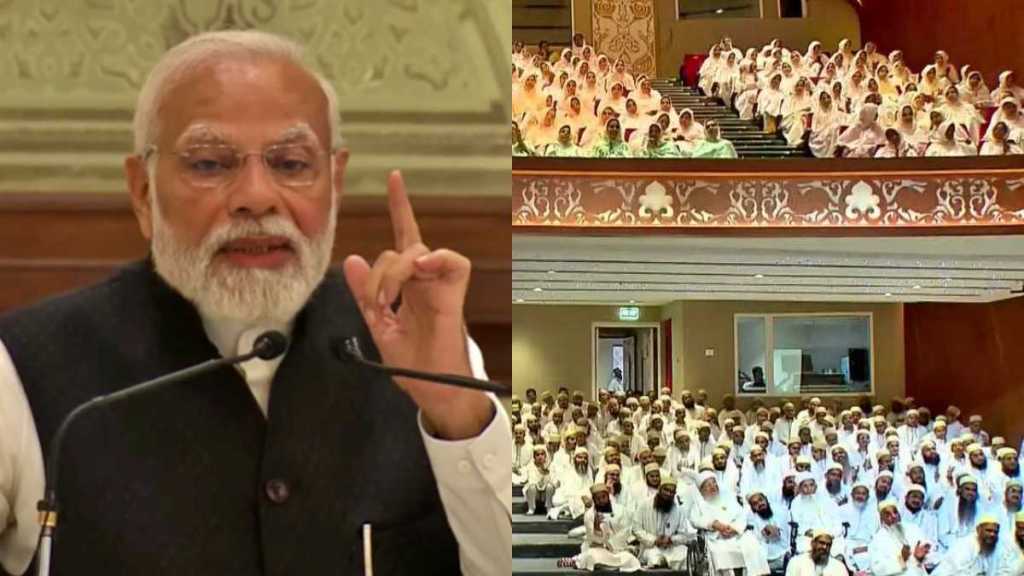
630, 313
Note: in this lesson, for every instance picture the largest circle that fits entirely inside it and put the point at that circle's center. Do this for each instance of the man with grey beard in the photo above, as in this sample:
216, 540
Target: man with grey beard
235, 180
860, 519
980, 554
898, 549
572, 495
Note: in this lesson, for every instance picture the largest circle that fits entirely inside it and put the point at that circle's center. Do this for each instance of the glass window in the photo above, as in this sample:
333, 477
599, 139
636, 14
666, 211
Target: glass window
698, 9
804, 354
751, 354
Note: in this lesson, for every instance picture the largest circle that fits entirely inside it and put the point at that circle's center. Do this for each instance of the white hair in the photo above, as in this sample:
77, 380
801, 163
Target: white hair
218, 46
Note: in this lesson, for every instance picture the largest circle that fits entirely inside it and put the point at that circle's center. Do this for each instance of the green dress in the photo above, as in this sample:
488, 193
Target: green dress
617, 149
557, 150
663, 150
719, 149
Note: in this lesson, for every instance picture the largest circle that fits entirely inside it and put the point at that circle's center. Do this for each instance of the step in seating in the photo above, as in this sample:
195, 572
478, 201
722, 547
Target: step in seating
549, 567
746, 136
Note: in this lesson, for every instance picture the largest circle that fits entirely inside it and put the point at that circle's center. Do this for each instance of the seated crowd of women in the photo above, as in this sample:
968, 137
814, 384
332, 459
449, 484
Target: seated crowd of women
846, 104
582, 106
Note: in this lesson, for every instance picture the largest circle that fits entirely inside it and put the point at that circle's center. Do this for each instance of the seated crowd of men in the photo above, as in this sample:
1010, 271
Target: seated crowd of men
846, 104
818, 488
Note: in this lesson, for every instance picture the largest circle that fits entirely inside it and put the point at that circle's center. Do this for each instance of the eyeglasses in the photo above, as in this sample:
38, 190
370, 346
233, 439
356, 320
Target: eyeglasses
217, 165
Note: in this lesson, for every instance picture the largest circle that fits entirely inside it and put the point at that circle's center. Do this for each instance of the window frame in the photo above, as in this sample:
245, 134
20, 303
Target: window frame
769, 368
760, 9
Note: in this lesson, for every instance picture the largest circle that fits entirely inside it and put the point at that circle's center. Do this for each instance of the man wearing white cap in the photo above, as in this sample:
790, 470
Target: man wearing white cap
729, 546
979, 467
573, 487
522, 455
974, 426
911, 432
960, 514
835, 489
758, 473
915, 510
770, 527
860, 520
609, 529
819, 560
813, 511
1007, 510
979, 554
661, 525
540, 485
1008, 469
640, 493
898, 548
1015, 546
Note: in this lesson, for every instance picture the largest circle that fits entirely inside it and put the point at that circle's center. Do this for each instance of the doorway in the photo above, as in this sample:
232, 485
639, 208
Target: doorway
626, 356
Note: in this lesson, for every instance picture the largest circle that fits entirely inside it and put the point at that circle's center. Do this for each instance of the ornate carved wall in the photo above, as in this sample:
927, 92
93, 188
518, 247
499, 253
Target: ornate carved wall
625, 29
423, 86
922, 195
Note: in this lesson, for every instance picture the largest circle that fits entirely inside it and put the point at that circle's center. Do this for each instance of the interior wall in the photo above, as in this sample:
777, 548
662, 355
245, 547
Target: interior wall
969, 355
986, 34
828, 21
709, 325
551, 345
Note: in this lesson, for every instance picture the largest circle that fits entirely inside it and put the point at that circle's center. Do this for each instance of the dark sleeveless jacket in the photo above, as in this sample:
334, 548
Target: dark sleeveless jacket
193, 480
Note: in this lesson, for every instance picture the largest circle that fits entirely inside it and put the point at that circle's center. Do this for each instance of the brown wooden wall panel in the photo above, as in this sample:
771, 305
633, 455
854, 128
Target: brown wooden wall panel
51, 244
982, 33
969, 355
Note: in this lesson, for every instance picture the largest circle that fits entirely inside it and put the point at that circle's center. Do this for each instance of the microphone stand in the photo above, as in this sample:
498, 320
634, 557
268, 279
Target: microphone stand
267, 346
349, 351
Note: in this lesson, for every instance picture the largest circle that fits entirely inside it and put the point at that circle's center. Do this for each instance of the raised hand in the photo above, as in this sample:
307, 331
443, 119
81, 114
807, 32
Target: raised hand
427, 332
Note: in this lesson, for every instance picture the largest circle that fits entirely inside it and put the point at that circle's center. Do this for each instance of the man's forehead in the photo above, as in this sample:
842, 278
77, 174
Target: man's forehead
245, 100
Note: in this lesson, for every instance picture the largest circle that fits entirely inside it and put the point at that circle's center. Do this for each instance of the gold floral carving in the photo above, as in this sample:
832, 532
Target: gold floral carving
625, 29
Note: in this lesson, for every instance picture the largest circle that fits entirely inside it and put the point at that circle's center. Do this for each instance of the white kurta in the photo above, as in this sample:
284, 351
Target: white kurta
863, 523
568, 498
966, 559
741, 550
886, 552
606, 542
816, 512
774, 549
802, 565
649, 524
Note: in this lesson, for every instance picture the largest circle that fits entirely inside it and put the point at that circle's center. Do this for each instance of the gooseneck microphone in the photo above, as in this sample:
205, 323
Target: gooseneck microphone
349, 351
267, 346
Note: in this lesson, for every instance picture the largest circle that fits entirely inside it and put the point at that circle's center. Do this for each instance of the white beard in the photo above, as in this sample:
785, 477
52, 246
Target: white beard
247, 295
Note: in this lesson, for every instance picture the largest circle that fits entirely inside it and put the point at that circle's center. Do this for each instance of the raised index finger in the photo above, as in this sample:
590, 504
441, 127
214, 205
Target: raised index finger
403, 221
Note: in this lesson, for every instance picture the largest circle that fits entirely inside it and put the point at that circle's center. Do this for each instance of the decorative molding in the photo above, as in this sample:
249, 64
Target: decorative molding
422, 85
913, 196
625, 29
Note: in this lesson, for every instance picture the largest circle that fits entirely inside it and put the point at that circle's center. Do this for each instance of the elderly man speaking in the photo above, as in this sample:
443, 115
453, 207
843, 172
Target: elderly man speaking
298, 465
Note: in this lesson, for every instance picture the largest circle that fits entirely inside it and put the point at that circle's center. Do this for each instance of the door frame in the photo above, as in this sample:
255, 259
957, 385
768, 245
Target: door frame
595, 326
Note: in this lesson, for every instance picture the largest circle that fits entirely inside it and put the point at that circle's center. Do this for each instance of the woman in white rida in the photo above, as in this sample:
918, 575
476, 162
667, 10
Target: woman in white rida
1000, 143
795, 110
862, 139
952, 140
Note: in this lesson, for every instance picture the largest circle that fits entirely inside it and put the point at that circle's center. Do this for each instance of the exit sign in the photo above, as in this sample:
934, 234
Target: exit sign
629, 313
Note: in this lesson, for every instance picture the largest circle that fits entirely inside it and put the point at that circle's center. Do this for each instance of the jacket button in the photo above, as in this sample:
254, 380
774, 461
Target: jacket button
276, 490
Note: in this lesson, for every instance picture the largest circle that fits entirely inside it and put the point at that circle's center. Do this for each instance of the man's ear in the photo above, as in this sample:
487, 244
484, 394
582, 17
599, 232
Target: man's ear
340, 161
139, 189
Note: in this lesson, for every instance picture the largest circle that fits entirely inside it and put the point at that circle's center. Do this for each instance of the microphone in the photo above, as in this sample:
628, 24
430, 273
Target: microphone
349, 352
267, 346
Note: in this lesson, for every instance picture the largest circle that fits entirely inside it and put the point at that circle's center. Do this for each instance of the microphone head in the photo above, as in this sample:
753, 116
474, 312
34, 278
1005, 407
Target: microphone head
270, 345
